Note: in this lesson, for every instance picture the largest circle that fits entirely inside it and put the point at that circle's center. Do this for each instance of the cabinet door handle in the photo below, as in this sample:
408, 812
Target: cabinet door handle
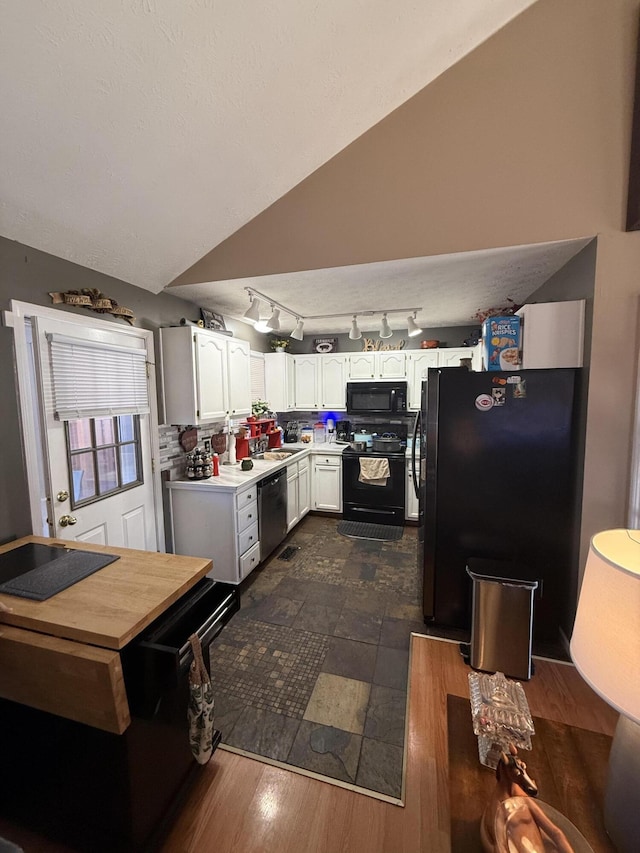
250, 515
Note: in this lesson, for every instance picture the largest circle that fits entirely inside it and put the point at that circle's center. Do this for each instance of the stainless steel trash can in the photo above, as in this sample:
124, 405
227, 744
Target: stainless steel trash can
502, 620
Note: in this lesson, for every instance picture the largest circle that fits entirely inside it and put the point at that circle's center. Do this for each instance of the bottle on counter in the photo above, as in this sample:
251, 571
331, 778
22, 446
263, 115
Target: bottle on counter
215, 464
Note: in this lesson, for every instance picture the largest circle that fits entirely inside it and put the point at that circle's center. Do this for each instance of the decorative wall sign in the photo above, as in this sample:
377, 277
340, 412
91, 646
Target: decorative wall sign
324, 345
94, 300
369, 345
213, 321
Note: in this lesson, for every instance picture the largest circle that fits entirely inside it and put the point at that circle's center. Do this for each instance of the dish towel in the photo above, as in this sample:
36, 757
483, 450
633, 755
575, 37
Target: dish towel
200, 711
374, 472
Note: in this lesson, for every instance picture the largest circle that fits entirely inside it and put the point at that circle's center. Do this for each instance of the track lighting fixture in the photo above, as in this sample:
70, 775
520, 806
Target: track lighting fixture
273, 323
385, 328
297, 333
355, 334
412, 327
253, 311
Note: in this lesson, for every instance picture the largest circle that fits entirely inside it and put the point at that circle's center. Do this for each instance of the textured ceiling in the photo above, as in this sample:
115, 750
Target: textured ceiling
138, 135
448, 289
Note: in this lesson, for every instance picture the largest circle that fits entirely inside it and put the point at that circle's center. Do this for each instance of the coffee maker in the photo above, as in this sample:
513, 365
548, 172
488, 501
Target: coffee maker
343, 430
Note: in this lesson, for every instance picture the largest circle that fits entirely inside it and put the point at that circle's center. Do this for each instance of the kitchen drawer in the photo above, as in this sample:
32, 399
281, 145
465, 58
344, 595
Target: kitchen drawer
246, 497
328, 461
248, 538
247, 516
249, 561
303, 464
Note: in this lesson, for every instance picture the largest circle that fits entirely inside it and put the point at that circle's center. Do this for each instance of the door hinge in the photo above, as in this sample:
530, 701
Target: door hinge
197, 413
153, 465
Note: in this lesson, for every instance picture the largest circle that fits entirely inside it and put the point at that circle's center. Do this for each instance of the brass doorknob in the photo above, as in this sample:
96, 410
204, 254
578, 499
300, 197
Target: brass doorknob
64, 520
62, 496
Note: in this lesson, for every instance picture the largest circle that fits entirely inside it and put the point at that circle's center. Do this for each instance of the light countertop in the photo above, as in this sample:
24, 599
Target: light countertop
233, 478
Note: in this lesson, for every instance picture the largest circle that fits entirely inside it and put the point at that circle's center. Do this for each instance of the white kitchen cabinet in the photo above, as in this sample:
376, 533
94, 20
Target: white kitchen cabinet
418, 362
307, 372
450, 356
333, 379
219, 526
279, 380
552, 334
205, 376
297, 492
411, 501
327, 483
389, 364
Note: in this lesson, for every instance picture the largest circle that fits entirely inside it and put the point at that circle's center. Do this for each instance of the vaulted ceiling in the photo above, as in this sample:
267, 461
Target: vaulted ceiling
139, 135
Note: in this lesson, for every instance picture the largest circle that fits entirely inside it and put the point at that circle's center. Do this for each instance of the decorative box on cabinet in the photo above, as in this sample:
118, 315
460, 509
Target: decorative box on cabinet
205, 376
552, 334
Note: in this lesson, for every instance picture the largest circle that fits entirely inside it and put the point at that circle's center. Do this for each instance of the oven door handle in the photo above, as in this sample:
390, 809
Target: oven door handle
416, 427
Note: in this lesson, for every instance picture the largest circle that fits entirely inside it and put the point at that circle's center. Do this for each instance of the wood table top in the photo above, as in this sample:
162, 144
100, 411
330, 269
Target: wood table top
111, 606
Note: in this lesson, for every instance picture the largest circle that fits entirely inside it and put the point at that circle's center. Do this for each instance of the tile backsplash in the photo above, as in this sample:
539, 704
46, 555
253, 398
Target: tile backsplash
172, 456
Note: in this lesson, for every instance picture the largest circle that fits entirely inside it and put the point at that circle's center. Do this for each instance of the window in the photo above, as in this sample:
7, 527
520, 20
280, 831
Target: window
103, 456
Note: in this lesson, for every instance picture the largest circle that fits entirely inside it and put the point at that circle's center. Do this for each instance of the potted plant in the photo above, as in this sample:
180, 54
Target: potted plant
259, 408
279, 344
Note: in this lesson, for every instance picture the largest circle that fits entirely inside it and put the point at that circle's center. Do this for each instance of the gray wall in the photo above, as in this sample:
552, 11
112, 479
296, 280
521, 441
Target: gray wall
29, 275
451, 336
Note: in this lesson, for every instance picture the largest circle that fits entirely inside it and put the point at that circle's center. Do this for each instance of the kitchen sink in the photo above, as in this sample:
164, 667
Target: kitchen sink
281, 451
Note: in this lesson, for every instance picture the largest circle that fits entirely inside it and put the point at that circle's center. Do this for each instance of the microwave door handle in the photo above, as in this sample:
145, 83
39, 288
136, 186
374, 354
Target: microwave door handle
416, 427
392, 407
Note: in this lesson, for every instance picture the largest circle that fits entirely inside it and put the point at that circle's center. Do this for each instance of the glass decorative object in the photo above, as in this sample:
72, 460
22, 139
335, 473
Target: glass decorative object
500, 714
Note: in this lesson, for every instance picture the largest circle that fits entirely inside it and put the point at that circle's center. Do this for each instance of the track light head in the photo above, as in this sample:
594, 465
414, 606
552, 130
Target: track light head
273, 323
355, 334
412, 327
297, 333
385, 328
253, 311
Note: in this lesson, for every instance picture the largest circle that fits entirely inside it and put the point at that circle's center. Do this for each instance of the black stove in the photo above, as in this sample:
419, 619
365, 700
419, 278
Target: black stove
349, 451
396, 429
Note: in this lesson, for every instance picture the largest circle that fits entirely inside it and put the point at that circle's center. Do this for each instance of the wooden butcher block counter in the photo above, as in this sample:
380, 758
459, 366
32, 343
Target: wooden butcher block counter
62, 655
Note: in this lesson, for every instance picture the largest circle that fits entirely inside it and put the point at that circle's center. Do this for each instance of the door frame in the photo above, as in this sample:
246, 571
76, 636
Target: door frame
15, 318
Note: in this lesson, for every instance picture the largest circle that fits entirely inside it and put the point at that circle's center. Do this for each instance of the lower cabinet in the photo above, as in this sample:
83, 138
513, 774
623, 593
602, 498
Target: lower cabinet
219, 525
298, 492
327, 483
411, 501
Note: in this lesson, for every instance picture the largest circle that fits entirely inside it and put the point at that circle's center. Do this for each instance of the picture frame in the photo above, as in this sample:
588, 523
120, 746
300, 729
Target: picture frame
213, 321
325, 345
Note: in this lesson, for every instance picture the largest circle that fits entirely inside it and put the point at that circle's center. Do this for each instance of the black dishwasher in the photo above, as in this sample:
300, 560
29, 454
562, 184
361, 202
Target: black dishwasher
272, 511
107, 792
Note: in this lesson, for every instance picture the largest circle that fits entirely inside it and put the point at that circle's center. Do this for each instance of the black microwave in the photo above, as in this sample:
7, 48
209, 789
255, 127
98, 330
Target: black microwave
376, 398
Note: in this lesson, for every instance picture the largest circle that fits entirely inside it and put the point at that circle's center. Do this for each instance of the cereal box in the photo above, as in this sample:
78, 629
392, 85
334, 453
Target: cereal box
501, 343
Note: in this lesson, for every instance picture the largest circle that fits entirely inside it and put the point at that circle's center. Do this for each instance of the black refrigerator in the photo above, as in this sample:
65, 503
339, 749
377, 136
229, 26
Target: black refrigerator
500, 479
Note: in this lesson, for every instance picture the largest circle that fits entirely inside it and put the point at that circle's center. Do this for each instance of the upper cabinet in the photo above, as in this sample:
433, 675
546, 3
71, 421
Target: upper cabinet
333, 379
552, 334
390, 364
280, 381
419, 361
206, 376
307, 368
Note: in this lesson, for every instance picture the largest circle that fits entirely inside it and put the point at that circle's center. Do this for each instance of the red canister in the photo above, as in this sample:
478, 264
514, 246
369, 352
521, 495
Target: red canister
216, 465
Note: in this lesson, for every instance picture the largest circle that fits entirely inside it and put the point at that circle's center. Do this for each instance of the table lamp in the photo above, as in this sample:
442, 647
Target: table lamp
605, 647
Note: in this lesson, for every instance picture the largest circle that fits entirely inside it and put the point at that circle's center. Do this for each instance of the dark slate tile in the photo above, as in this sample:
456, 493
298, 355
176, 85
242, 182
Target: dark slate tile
317, 618
367, 601
366, 546
396, 633
357, 625
392, 668
292, 588
385, 715
264, 733
323, 749
227, 709
329, 594
350, 659
274, 609
380, 767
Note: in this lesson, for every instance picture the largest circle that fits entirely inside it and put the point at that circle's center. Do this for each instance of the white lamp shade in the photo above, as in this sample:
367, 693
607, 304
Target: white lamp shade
297, 333
355, 334
385, 328
605, 644
412, 328
273, 323
253, 311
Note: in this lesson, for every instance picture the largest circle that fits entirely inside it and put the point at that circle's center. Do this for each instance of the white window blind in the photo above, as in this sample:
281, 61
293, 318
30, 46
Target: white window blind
257, 376
92, 379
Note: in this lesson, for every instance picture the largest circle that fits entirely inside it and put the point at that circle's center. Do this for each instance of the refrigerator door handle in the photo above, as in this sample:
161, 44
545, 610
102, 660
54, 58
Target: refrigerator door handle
416, 428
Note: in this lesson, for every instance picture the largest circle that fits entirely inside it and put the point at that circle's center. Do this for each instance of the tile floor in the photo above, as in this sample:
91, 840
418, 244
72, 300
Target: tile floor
312, 671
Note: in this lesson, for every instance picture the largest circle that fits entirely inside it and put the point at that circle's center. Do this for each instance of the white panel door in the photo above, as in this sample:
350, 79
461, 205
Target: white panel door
306, 370
362, 365
304, 488
450, 356
327, 488
211, 376
333, 369
239, 372
124, 518
391, 365
418, 362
